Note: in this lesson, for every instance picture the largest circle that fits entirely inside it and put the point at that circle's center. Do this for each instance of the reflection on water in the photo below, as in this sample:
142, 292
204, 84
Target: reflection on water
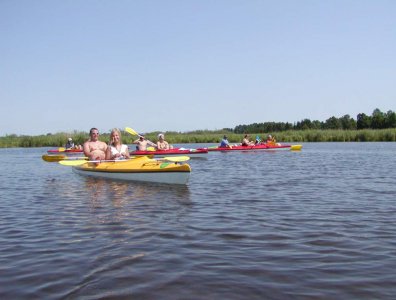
121, 192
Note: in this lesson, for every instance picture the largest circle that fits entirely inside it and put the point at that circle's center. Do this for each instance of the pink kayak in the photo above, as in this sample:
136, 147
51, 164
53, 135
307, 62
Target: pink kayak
200, 152
256, 147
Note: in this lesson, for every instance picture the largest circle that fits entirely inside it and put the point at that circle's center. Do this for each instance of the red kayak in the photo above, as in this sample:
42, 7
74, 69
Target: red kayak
65, 151
256, 147
200, 152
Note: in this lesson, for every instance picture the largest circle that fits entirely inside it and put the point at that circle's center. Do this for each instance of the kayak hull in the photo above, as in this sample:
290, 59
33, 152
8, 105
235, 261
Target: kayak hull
192, 153
264, 147
141, 169
66, 152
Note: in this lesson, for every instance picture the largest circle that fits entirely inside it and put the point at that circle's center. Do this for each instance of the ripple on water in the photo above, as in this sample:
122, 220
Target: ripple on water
316, 224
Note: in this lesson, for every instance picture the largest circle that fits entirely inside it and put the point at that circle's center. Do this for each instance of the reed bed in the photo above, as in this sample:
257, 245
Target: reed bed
290, 136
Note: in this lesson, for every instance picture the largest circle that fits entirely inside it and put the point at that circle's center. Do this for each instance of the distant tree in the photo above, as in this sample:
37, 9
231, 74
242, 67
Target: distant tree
288, 126
270, 127
333, 123
363, 121
240, 129
390, 119
347, 122
316, 124
304, 124
255, 127
377, 119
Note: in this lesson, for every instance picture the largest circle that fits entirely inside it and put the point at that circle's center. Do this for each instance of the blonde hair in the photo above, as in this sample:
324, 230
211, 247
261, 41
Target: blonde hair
116, 130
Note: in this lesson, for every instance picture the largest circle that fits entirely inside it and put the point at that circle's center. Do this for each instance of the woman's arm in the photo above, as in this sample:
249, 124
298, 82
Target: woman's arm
108, 153
127, 153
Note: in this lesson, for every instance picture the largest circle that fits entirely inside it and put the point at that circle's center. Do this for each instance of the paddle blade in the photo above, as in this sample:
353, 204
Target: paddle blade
57, 158
53, 158
131, 131
295, 147
72, 162
176, 158
61, 149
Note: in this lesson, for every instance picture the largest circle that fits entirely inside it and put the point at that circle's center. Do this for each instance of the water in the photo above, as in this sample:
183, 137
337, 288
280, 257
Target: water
315, 224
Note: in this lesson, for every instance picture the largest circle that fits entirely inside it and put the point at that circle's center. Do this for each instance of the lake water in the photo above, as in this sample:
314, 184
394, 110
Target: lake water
314, 224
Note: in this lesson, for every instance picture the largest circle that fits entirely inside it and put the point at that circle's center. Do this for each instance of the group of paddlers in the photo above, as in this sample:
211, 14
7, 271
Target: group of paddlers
247, 142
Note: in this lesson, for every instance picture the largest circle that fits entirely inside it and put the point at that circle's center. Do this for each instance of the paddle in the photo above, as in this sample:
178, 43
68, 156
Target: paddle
61, 149
56, 158
131, 131
175, 158
80, 162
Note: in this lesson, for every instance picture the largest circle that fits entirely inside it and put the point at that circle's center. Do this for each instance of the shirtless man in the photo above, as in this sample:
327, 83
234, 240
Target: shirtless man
142, 143
93, 148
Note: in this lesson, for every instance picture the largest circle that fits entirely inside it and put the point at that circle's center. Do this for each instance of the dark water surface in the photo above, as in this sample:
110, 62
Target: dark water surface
315, 224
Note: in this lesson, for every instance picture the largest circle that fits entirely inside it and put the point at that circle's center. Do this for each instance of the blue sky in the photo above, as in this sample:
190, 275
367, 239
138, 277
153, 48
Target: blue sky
163, 65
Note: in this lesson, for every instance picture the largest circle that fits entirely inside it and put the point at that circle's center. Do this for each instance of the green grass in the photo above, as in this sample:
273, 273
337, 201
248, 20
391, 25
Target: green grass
292, 136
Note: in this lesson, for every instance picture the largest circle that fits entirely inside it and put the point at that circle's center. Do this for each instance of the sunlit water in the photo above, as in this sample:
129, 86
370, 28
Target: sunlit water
315, 224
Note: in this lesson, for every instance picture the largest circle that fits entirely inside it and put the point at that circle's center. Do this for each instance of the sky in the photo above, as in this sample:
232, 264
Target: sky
184, 65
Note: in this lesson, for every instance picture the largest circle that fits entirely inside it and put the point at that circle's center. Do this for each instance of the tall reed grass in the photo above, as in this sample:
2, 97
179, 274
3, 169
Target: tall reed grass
292, 136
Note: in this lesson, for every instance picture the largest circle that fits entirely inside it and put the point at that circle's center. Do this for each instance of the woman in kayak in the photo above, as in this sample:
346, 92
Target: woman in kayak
162, 144
116, 149
246, 141
93, 148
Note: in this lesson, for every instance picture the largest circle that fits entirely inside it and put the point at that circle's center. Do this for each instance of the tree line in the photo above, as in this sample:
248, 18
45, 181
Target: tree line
377, 127
377, 120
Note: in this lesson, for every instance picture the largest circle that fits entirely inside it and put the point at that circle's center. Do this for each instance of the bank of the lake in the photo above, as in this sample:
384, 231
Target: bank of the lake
206, 136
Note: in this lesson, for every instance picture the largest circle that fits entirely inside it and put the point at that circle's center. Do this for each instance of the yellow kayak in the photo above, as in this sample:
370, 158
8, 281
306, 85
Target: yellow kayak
137, 169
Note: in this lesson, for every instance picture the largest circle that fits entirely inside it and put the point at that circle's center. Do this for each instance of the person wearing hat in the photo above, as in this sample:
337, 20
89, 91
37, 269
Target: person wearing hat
162, 144
69, 144
142, 143
224, 142
271, 140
